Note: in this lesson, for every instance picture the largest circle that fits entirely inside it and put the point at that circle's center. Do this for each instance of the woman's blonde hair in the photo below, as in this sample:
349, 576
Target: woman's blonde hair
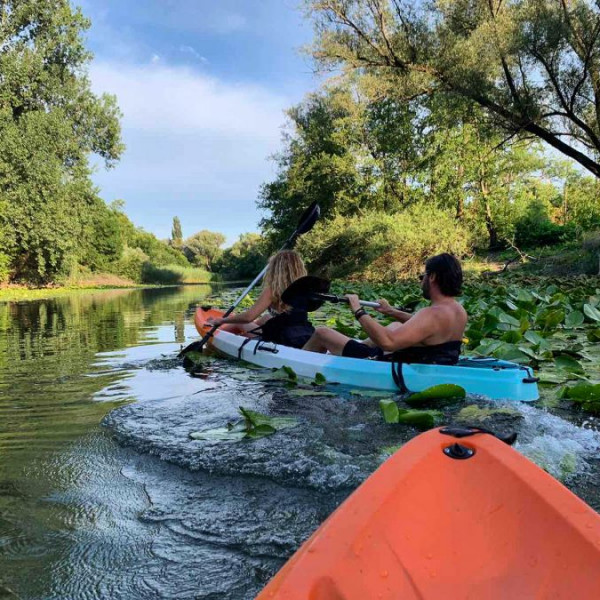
284, 268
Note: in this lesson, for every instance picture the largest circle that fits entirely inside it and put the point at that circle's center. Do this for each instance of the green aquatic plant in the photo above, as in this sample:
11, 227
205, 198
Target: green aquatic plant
436, 394
421, 419
254, 425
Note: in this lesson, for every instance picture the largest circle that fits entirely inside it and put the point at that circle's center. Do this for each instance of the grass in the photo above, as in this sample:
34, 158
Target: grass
153, 277
174, 274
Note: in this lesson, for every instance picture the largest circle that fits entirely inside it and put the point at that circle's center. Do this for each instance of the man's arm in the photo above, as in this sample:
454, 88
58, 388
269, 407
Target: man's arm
385, 308
417, 329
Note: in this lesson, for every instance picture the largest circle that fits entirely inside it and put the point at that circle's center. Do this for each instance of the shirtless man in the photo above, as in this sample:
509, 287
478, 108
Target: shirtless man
433, 334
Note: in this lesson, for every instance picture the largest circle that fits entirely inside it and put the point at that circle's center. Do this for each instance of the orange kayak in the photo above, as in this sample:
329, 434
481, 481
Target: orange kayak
489, 525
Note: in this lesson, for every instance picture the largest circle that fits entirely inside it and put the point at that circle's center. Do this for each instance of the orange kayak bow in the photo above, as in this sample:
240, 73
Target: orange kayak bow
429, 526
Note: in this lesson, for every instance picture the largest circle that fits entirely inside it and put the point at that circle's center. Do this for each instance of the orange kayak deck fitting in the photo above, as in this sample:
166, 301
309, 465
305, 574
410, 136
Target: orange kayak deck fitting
487, 525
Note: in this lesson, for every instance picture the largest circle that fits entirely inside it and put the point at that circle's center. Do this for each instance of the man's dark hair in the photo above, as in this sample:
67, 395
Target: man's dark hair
448, 273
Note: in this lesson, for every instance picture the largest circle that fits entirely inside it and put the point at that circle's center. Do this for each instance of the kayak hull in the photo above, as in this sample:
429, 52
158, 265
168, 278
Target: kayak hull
505, 382
426, 526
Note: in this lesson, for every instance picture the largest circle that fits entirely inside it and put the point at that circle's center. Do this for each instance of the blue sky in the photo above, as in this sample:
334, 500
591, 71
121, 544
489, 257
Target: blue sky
203, 86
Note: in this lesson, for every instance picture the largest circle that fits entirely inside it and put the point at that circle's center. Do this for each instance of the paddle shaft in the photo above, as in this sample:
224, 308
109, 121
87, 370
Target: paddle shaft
336, 299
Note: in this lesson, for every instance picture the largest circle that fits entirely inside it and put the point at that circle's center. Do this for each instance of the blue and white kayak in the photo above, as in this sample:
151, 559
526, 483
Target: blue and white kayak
489, 377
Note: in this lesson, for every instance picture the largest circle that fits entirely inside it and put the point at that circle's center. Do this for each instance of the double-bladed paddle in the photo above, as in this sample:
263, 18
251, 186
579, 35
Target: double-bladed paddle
310, 293
307, 220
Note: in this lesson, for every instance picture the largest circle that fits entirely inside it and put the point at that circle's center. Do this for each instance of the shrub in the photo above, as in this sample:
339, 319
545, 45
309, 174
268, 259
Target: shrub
131, 264
4, 267
383, 247
244, 260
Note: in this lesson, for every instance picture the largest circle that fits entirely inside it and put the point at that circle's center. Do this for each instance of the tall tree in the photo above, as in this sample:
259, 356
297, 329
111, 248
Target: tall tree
534, 65
176, 233
204, 248
50, 121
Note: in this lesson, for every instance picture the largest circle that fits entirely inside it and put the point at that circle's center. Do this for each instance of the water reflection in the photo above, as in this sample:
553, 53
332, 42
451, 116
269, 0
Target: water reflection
53, 364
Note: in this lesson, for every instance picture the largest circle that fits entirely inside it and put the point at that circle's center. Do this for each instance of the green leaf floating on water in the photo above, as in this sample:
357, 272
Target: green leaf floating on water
569, 364
593, 335
312, 392
255, 425
390, 411
444, 391
220, 434
422, 419
585, 394
319, 379
574, 319
591, 312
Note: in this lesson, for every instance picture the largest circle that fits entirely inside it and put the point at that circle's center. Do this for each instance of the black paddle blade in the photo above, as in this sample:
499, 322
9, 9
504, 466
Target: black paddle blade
193, 347
301, 293
308, 219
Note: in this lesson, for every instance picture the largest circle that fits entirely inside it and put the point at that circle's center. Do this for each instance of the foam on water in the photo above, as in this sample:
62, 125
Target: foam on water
560, 447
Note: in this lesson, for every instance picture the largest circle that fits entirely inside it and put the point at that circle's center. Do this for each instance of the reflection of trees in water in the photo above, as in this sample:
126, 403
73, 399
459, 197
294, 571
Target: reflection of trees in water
48, 348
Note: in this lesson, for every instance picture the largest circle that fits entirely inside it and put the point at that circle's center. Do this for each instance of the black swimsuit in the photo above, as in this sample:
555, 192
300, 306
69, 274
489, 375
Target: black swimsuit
289, 328
447, 353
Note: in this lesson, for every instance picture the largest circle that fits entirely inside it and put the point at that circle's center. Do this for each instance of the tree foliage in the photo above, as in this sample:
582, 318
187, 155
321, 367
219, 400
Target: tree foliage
245, 259
204, 248
50, 121
532, 65
176, 234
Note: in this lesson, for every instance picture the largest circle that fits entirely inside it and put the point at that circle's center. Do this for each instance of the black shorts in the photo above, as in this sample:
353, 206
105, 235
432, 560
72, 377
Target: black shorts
354, 349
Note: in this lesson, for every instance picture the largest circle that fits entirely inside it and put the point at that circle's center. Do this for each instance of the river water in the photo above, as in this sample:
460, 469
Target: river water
104, 495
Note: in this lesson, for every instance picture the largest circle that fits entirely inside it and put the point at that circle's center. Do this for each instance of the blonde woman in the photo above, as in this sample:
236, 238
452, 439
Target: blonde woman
282, 324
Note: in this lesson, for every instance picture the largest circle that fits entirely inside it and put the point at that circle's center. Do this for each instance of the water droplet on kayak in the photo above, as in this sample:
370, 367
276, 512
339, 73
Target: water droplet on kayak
384, 573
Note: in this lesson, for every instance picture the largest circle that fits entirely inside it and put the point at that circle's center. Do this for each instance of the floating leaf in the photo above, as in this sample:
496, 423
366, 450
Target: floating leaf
313, 392
421, 419
370, 393
591, 312
261, 431
512, 337
533, 337
444, 391
290, 373
508, 320
593, 335
553, 318
220, 434
390, 411
582, 392
569, 364
574, 319
319, 379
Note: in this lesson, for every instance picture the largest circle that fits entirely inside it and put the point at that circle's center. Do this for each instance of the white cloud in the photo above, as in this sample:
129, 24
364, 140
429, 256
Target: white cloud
197, 147
162, 98
194, 53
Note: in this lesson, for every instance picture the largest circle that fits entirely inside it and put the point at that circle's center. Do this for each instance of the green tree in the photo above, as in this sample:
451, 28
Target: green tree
204, 248
345, 151
176, 234
50, 121
245, 259
532, 65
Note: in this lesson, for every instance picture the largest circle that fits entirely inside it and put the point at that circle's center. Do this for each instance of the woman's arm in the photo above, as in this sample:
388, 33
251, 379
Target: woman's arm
258, 308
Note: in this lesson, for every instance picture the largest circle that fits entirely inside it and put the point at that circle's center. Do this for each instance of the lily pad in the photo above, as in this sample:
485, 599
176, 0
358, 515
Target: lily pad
312, 392
390, 411
445, 391
421, 419
569, 364
220, 434
574, 319
591, 312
